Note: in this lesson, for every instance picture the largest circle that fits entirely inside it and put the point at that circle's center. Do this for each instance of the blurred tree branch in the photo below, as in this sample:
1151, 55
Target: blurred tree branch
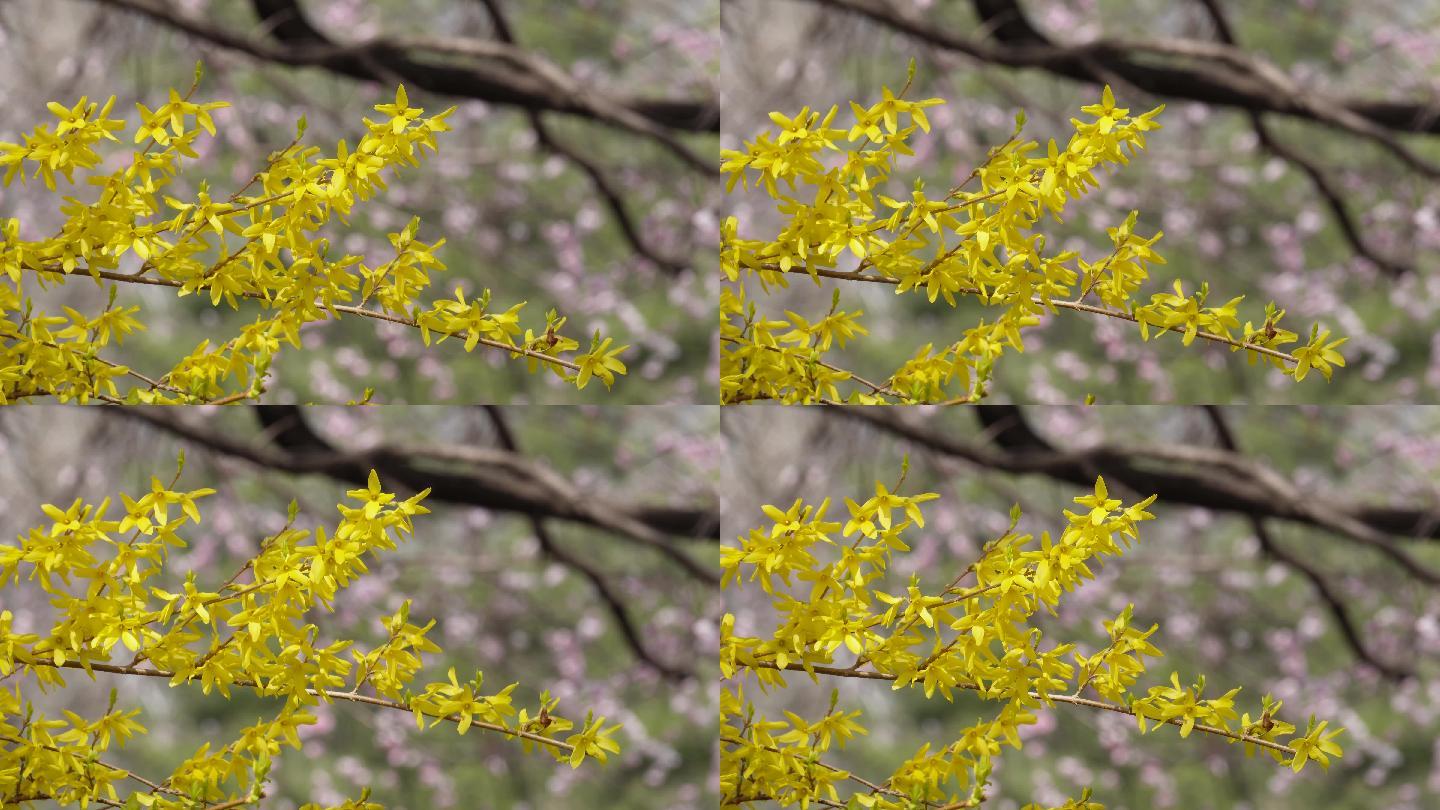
602, 587
1271, 548
1327, 189
482, 477
1195, 70
486, 70
607, 190
1218, 73
1207, 477
1221, 479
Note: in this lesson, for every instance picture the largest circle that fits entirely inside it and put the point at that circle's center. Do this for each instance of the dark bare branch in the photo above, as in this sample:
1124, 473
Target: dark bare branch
1327, 190
1209, 72
1196, 476
466, 68
557, 552
1271, 548
609, 194
491, 479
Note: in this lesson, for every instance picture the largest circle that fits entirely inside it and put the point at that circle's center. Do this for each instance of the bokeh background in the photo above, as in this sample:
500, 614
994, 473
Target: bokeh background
1227, 609
519, 218
1234, 213
502, 604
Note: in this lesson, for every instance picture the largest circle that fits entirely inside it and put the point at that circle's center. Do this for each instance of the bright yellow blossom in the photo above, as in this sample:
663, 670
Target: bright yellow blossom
255, 632
272, 255
832, 611
830, 181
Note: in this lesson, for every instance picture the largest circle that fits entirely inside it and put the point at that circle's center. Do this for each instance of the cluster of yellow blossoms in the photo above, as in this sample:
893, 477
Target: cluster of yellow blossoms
830, 599
983, 245
261, 244
102, 575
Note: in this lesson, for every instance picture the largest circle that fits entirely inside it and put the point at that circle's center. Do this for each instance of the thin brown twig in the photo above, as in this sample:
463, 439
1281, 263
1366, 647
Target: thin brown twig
349, 310
323, 694
875, 387
1076, 701
1062, 304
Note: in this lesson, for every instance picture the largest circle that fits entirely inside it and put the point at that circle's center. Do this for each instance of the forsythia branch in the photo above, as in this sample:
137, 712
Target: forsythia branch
105, 595
283, 263
823, 593
828, 183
